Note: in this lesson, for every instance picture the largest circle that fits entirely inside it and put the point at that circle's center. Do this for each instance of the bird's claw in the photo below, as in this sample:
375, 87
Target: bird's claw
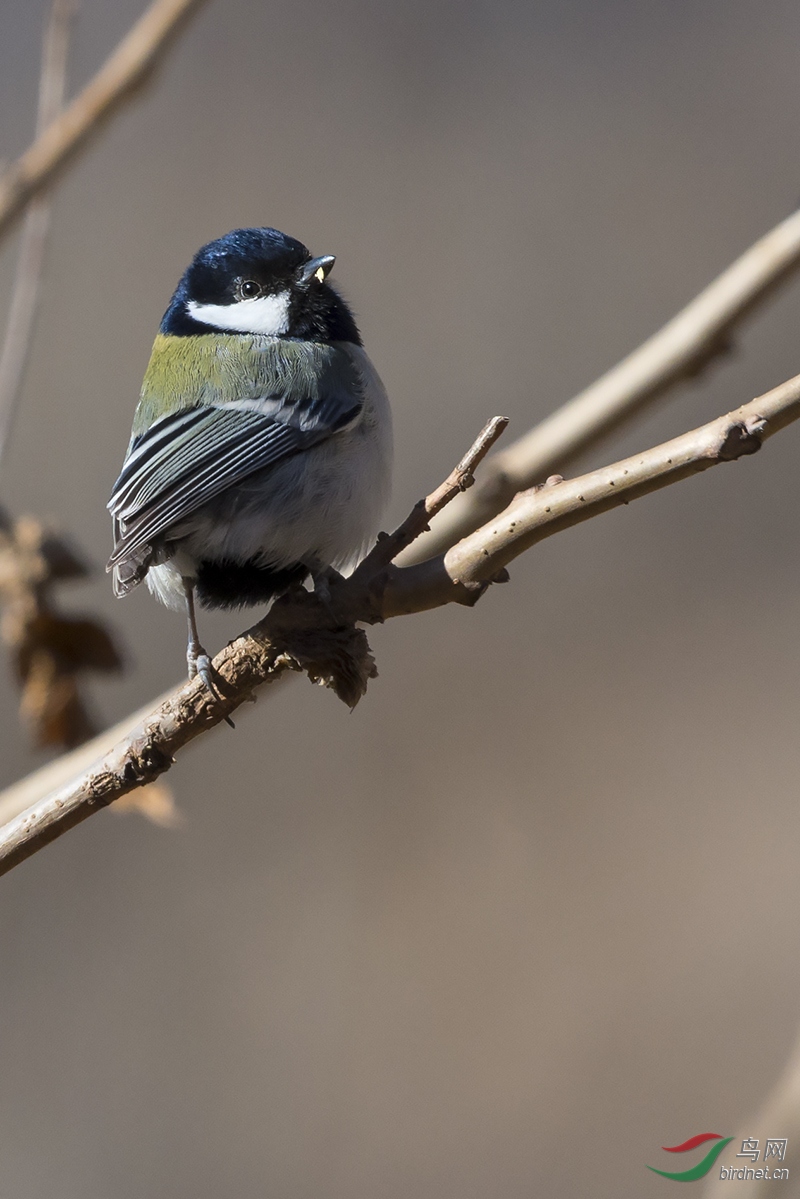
204, 669
200, 665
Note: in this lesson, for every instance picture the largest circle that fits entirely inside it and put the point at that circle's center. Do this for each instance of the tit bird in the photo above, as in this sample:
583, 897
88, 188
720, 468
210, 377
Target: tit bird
261, 446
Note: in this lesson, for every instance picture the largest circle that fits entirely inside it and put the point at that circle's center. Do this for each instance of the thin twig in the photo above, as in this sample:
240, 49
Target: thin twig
388, 546
25, 290
302, 634
122, 70
700, 333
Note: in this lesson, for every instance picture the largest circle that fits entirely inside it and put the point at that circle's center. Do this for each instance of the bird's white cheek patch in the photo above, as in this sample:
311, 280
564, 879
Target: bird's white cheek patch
267, 314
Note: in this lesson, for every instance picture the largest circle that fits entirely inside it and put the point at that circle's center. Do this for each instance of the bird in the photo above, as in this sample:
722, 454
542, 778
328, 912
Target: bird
261, 450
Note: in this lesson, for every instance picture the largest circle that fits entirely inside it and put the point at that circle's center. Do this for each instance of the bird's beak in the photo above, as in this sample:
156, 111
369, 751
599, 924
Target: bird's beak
318, 268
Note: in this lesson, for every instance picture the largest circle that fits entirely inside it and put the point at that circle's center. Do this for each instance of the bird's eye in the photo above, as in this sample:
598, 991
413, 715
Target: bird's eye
249, 289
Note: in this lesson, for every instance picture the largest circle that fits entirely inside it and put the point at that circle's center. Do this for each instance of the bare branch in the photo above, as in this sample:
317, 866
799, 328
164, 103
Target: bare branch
460, 478
122, 70
47, 778
302, 634
25, 292
680, 350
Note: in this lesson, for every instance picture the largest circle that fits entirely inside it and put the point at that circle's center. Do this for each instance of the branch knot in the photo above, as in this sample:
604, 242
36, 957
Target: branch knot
742, 437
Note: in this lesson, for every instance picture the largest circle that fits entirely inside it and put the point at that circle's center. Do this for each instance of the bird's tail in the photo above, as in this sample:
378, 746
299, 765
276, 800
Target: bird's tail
128, 573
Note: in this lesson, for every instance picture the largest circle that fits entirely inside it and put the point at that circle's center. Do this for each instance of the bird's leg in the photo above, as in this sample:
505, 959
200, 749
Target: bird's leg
197, 660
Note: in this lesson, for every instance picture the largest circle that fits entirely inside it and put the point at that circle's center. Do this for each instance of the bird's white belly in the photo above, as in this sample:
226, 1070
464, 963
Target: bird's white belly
322, 506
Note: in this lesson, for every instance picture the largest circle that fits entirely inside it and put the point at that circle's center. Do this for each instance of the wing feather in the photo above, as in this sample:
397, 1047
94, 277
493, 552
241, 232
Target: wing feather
185, 459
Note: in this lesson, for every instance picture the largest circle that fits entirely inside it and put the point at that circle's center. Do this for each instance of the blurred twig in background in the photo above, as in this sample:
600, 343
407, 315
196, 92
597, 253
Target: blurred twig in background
25, 291
321, 640
49, 651
683, 348
125, 67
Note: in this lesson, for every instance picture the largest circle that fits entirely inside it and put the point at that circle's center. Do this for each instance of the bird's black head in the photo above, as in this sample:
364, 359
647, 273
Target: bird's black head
259, 281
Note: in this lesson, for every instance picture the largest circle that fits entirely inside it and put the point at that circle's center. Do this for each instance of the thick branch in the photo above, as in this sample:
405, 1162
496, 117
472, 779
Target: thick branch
302, 634
124, 68
61, 770
680, 350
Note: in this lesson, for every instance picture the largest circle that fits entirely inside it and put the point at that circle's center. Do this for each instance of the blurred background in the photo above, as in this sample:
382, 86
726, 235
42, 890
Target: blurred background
530, 912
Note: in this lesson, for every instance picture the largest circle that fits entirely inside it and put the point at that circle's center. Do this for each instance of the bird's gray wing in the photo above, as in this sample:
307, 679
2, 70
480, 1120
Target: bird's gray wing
186, 458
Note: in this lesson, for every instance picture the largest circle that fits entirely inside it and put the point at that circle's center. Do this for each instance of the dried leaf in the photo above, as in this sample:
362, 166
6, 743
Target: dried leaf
51, 706
49, 651
155, 802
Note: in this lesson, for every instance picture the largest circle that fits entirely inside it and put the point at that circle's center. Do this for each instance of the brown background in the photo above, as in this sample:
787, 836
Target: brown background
531, 911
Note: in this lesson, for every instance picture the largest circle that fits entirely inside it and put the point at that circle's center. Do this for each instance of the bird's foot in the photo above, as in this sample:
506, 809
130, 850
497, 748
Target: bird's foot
199, 664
